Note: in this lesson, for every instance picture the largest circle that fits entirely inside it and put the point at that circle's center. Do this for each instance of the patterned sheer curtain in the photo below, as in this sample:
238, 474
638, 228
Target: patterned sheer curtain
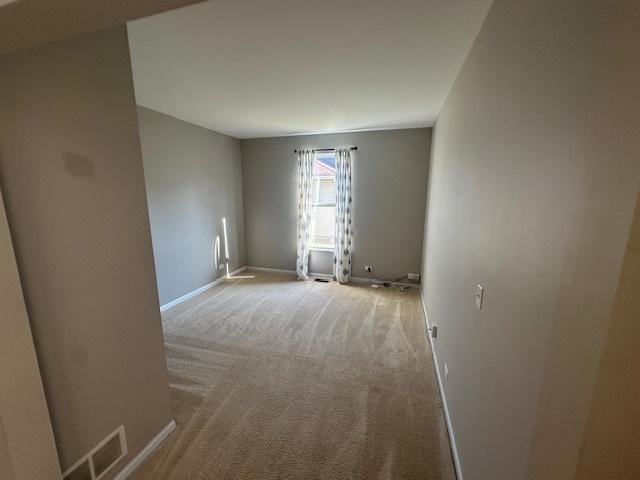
342, 253
305, 172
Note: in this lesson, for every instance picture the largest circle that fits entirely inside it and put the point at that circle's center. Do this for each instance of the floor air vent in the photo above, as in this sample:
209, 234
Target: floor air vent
100, 459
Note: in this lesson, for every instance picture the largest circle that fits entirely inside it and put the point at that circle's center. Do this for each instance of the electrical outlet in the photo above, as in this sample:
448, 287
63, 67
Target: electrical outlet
479, 296
414, 276
368, 268
446, 371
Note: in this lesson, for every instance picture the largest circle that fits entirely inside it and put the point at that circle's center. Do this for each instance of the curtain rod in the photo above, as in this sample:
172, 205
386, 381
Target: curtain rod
327, 149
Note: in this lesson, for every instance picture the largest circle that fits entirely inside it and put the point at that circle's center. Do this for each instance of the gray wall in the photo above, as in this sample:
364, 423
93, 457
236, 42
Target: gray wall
389, 189
26, 24
27, 448
610, 448
72, 175
194, 179
533, 178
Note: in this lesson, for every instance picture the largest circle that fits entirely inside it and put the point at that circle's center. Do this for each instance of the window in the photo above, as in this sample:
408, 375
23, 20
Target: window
323, 202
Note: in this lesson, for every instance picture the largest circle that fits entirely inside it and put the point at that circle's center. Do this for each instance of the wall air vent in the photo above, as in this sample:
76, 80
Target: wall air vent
104, 456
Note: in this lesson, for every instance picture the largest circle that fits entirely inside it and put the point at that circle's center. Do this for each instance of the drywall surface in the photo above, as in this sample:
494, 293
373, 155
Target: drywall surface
264, 69
389, 189
72, 175
610, 448
533, 180
27, 23
194, 180
27, 448
6, 467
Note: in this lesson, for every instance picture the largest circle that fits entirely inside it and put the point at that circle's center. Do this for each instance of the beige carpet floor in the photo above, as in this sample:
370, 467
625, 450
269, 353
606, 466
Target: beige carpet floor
272, 378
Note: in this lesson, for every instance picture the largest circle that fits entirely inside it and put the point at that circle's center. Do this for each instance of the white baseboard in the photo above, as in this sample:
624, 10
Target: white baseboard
197, 291
328, 276
235, 272
373, 280
189, 295
266, 269
452, 437
146, 451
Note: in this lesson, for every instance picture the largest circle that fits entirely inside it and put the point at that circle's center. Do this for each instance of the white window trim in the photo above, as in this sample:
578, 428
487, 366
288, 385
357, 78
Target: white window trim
323, 204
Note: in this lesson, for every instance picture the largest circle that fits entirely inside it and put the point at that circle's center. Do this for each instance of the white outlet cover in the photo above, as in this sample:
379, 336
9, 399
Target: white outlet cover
446, 371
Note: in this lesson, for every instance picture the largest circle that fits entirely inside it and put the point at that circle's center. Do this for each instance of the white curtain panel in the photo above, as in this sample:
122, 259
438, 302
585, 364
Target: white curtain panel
342, 253
305, 172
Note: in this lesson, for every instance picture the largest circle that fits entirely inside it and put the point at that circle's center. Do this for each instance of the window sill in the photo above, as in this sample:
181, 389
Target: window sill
318, 249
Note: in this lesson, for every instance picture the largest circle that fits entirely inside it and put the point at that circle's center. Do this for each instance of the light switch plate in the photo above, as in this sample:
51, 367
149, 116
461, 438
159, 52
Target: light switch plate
446, 371
479, 296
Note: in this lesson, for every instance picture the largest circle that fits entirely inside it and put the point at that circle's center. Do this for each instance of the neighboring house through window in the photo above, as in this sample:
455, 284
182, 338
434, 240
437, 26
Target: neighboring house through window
323, 202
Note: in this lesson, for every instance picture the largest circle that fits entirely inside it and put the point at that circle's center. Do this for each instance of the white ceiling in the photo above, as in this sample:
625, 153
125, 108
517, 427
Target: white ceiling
262, 68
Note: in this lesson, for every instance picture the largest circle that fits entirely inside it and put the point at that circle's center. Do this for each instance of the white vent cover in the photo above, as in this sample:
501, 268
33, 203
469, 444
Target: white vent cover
95, 464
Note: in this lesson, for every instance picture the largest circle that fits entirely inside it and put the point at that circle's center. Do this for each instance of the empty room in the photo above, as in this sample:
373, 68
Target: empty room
290, 239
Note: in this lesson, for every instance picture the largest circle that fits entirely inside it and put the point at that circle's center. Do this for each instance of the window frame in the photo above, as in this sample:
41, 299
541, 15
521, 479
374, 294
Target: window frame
323, 204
